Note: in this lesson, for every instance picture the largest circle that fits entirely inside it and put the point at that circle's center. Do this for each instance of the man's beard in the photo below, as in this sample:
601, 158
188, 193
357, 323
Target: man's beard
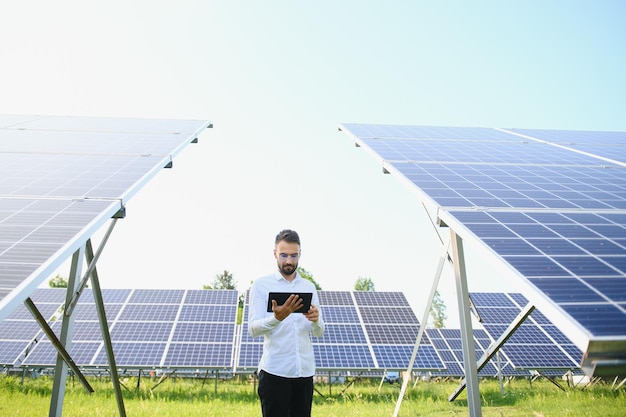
287, 269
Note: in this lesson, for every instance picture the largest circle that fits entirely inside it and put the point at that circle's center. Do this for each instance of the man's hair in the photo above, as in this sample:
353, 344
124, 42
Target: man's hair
288, 236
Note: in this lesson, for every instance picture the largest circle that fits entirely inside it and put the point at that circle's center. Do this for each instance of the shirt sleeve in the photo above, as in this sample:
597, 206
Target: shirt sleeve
259, 322
317, 328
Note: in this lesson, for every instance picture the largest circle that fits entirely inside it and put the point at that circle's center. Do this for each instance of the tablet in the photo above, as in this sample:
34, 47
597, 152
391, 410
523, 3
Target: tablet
281, 297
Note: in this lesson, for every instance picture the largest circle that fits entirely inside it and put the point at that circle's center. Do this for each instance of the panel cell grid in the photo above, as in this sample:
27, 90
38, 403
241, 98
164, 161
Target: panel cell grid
209, 313
398, 357
134, 354
392, 335
376, 298
335, 298
204, 332
205, 297
214, 355
149, 312
342, 334
339, 314
44, 353
388, 315
152, 296
343, 357
70, 159
141, 331
534, 344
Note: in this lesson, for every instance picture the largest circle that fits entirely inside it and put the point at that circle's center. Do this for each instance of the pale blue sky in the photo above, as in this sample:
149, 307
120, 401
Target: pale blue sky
276, 78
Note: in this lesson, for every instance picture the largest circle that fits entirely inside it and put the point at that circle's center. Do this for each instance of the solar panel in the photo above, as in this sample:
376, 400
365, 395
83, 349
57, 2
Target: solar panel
571, 259
62, 178
550, 205
536, 344
148, 330
449, 346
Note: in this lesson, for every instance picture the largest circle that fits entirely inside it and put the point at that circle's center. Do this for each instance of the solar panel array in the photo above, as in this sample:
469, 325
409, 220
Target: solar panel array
19, 333
62, 178
179, 329
551, 205
364, 330
448, 344
149, 329
537, 344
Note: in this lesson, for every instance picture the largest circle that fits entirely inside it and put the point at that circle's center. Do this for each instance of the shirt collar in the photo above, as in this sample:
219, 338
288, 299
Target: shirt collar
279, 276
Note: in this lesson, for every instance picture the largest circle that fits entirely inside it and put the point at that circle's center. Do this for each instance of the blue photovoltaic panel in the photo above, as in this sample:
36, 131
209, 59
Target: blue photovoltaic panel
32, 231
343, 334
205, 332
44, 354
18, 330
88, 312
10, 351
222, 297
88, 331
152, 296
62, 178
398, 357
141, 331
250, 355
448, 344
218, 355
149, 312
536, 344
575, 259
47, 310
340, 314
133, 354
550, 204
336, 298
343, 356
217, 313
610, 145
465, 185
400, 334
109, 296
80, 176
388, 314
150, 328
380, 299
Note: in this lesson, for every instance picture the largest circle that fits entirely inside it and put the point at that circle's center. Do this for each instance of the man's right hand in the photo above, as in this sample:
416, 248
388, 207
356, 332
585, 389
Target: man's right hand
292, 304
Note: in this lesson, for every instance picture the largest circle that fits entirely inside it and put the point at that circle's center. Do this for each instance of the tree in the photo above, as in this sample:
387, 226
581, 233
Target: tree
223, 281
364, 284
308, 276
438, 311
57, 282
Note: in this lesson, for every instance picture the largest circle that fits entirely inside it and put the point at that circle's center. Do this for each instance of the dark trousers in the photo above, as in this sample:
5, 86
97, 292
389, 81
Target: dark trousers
285, 397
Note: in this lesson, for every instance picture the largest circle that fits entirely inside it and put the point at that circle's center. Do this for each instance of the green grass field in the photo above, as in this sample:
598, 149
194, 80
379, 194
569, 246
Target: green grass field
190, 398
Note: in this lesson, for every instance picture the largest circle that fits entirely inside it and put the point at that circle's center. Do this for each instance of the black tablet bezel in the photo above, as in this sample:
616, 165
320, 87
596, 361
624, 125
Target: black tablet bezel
281, 297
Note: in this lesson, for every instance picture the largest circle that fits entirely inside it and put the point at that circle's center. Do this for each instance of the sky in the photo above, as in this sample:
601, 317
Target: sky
276, 78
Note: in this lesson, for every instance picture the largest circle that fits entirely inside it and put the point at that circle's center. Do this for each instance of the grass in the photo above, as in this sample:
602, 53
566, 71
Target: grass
191, 398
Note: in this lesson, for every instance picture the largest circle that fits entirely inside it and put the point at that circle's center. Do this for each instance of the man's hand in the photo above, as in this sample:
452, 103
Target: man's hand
292, 304
313, 314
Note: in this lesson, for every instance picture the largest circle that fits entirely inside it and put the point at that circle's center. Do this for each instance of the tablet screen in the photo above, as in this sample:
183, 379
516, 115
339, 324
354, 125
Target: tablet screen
281, 297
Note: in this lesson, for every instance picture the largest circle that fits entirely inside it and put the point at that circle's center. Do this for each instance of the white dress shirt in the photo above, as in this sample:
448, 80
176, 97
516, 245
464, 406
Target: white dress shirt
287, 348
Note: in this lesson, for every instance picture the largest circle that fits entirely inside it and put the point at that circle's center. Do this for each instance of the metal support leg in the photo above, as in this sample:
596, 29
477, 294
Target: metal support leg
56, 343
433, 290
104, 327
467, 334
67, 329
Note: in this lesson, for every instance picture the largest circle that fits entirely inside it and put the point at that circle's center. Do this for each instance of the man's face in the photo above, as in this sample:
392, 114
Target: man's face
287, 255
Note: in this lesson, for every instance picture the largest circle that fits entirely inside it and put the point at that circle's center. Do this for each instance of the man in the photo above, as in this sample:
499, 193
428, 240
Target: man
287, 365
